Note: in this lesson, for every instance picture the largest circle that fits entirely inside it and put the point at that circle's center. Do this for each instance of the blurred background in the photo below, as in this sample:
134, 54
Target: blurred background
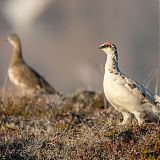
60, 39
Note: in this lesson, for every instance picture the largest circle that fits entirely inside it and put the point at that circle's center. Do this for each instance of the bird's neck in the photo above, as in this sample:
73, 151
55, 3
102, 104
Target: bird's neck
112, 63
17, 54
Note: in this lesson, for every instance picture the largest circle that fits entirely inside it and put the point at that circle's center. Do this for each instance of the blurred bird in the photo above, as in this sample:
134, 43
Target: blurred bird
126, 95
22, 75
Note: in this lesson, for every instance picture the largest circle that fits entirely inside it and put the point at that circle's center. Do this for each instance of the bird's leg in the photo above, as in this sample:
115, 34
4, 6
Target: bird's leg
140, 117
127, 118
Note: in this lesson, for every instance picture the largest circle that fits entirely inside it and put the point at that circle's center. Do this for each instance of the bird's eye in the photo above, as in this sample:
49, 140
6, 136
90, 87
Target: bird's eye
107, 45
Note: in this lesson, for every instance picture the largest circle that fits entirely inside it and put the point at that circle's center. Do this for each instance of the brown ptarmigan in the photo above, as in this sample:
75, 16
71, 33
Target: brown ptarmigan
22, 75
126, 95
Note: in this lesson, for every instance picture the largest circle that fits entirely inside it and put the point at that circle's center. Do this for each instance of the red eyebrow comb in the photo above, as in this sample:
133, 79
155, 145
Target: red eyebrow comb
107, 43
104, 45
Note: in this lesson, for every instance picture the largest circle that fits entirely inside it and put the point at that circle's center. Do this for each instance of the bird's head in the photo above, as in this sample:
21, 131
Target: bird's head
14, 40
109, 48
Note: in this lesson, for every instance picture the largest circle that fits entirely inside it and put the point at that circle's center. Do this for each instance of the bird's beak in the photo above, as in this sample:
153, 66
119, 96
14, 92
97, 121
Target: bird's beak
101, 47
7, 39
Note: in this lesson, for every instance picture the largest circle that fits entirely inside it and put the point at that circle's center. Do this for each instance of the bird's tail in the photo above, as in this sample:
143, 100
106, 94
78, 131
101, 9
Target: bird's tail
156, 107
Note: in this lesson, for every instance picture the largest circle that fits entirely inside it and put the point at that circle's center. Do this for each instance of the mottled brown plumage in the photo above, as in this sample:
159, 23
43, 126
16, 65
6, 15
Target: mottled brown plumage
22, 75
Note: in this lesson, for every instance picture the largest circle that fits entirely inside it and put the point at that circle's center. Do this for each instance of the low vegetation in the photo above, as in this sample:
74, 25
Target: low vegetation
80, 127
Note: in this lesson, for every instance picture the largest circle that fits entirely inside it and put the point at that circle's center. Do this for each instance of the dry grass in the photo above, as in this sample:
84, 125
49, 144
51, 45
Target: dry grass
79, 127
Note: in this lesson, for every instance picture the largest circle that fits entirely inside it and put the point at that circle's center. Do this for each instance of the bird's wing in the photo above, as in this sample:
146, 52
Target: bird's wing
139, 90
32, 78
42, 82
144, 95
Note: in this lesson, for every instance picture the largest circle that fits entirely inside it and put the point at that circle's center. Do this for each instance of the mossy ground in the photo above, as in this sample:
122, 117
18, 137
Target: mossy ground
79, 127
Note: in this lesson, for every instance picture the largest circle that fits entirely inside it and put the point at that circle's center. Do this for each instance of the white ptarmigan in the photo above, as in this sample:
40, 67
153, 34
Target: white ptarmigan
126, 95
22, 75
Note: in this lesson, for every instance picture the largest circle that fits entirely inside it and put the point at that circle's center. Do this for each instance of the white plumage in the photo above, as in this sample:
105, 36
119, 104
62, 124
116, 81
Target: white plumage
126, 95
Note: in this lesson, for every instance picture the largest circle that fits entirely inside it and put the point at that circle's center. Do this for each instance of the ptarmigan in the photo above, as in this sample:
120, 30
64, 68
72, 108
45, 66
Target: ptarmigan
22, 75
126, 95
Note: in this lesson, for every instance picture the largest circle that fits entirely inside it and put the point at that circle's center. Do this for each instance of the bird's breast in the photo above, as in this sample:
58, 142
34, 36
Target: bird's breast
116, 92
14, 77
